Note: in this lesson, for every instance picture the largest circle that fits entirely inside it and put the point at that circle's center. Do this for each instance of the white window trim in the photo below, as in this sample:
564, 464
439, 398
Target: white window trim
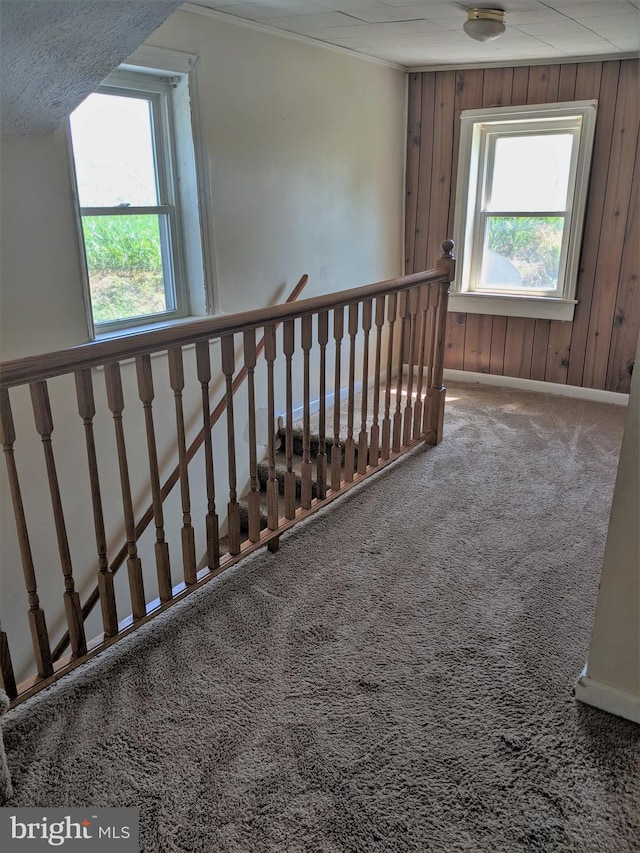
555, 306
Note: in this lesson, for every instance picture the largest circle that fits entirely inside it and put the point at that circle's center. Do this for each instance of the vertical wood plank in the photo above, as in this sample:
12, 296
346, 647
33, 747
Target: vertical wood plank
87, 410
541, 332
520, 85
558, 352
187, 533
454, 341
477, 343
518, 347
498, 338
414, 119
44, 426
567, 83
543, 84
441, 177
423, 205
468, 86
203, 369
497, 85
161, 548
592, 81
37, 620
627, 311
616, 204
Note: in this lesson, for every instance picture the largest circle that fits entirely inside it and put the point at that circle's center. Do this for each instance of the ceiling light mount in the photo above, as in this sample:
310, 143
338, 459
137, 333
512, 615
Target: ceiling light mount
485, 24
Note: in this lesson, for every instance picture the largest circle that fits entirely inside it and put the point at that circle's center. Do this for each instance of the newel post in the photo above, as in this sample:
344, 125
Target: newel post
437, 392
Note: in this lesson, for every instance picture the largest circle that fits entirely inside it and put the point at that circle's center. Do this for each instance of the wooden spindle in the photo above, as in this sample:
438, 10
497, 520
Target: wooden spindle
7, 675
430, 352
272, 482
203, 370
233, 507
161, 548
374, 442
363, 449
115, 401
397, 418
306, 340
423, 307
321, 461
187, 533
37, 621
44, 426
253, 500
336, 449
413, 297
288, 348
386, 421
87, 411
349, 445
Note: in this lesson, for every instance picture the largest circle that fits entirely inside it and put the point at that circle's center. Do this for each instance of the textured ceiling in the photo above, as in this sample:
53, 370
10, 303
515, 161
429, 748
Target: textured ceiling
53, 53
417, 33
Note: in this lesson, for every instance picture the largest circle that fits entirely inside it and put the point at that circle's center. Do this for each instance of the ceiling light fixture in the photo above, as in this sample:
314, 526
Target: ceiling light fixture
484, 24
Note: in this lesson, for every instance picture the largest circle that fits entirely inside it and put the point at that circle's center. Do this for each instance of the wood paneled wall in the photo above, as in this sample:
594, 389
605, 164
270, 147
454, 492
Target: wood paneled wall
597, 349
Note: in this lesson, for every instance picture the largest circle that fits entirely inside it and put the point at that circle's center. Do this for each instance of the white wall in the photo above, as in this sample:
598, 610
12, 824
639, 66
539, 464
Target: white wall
305, 150
612, 678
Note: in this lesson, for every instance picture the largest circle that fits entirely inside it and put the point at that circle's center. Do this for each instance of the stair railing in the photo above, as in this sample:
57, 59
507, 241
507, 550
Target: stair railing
391, 404
179, 474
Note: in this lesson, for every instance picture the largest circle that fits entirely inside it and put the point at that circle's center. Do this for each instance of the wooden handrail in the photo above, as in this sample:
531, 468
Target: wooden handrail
171, 481
37, 368
416, 305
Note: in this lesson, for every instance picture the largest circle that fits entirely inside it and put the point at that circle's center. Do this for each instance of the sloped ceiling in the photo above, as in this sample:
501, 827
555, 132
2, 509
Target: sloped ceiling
53, 53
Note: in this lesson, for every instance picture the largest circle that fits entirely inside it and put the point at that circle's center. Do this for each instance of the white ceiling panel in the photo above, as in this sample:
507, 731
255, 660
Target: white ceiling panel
416, 33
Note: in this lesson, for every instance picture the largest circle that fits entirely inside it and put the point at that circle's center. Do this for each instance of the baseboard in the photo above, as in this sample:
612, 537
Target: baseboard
538, 386
607, 698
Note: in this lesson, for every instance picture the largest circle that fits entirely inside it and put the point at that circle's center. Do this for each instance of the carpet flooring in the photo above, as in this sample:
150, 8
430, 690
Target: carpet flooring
397, 678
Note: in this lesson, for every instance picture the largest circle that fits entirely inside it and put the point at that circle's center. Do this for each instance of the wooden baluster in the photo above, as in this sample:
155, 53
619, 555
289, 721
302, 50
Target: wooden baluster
430, 350
44, 426
253, 500
386, 421
187, 533
374, 443
306, 341
87, 411
233, 507
349, 445
115, 400
336, 449
363, 449
288, 347
321, 461
161, 548
37, 621
272, 483
446, 265
423, 307
397, 418
413, 297
203, 369
7, 675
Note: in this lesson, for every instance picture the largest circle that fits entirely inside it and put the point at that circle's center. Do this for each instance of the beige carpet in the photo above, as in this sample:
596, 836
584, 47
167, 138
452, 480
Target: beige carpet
398, 678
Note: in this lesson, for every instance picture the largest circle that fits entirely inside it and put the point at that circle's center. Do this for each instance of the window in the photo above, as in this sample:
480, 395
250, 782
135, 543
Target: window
522, 184
124, 156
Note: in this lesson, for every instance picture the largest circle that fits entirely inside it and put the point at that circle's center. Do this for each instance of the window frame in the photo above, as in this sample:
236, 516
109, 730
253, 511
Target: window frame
157, 88
480, 130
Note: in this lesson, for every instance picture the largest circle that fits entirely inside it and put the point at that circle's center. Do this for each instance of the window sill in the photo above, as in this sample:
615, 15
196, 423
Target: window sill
538, 307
